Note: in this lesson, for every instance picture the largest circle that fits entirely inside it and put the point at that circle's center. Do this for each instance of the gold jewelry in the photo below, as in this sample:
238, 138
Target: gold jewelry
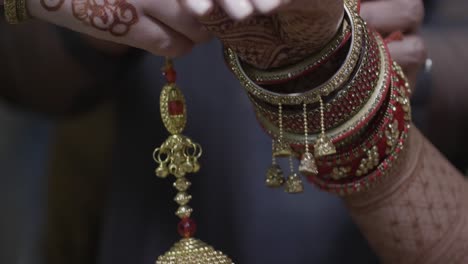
22, 10
274, 175
11, 12
349, 127
15, 11
295, 71
178, 156
323, 146
308, 165
335, 82
294, 182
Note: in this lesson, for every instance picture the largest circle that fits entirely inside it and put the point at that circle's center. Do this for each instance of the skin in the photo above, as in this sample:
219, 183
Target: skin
160, 27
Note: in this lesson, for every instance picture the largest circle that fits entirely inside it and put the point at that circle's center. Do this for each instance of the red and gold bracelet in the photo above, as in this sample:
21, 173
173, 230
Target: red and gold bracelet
339, 107
340, 77
289, 73
353, 124
359, 173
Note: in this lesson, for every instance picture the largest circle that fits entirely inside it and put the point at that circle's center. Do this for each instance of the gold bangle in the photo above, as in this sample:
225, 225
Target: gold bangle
292, 72
22, 11
312, 96
16, 11
11, 12
344, 130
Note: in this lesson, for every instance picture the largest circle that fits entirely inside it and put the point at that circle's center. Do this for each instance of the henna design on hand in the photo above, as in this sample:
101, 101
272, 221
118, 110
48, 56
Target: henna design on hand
419, 216
115, 16
278, 40
52, 5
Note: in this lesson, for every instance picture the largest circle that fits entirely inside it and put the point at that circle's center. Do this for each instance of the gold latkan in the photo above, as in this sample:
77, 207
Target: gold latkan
178, 156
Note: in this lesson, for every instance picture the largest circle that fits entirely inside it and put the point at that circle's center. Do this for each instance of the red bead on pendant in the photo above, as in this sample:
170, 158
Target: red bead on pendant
187, 227
176, 107
170, 75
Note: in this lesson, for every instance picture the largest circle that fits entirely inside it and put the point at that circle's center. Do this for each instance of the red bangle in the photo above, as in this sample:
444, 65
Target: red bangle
338, 107
352, 126
284, 75
360, 172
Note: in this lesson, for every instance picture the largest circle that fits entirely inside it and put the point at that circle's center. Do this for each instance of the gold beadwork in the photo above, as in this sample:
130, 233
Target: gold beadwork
308, 165
294, 184
11, 11
274, 176
323, 146
178, 156
184, 211
175, 124
21, 10
392, 134
369, 163
339, 173
182, 198
193, 251
340, 77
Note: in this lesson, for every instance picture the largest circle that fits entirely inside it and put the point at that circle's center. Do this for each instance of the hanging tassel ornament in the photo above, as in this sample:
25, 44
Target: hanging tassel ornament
323, 146
308, 166
178, 156
294, 182
275, 175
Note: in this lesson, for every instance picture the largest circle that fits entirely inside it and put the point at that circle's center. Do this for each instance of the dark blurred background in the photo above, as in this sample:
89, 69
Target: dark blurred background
79, 120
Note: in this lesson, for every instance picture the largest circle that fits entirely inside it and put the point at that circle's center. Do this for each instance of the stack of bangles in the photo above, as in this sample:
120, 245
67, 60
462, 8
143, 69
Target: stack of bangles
349, 129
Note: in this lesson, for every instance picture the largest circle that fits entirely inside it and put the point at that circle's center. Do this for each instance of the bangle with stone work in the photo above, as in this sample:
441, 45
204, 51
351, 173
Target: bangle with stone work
289, 73
354, 124
354, 172
341, 76
339, 107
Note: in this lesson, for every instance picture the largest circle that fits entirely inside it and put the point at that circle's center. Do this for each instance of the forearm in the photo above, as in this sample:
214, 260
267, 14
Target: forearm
419, 215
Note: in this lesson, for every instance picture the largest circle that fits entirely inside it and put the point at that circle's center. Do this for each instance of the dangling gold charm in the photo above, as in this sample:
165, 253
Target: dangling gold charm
307, 166
178, 156
280, 149
293, 183
275, 176
323, 146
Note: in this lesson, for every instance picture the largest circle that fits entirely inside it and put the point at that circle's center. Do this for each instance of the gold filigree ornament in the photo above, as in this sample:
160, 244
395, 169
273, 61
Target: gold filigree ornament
178, 156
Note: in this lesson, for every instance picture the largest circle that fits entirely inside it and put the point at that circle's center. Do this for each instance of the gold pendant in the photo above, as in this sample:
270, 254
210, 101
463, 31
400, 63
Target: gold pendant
308, 166
178, 156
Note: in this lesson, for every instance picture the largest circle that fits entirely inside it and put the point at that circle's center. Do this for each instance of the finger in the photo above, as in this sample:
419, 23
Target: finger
197, 7
136, 30
268, 6
411, 54
237, 9
392, 15
162, 40
174, 16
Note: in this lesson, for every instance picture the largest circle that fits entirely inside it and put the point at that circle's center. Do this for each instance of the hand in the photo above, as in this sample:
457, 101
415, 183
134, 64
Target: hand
406, 16
161, 27
270, 33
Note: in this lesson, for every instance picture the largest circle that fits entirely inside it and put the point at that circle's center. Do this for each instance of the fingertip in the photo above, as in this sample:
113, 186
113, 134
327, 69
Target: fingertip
238, 10
199, 7
268, 6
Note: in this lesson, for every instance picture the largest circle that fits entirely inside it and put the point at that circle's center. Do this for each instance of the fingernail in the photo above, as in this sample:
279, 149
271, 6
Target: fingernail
244, 9
200, 7
266, 6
